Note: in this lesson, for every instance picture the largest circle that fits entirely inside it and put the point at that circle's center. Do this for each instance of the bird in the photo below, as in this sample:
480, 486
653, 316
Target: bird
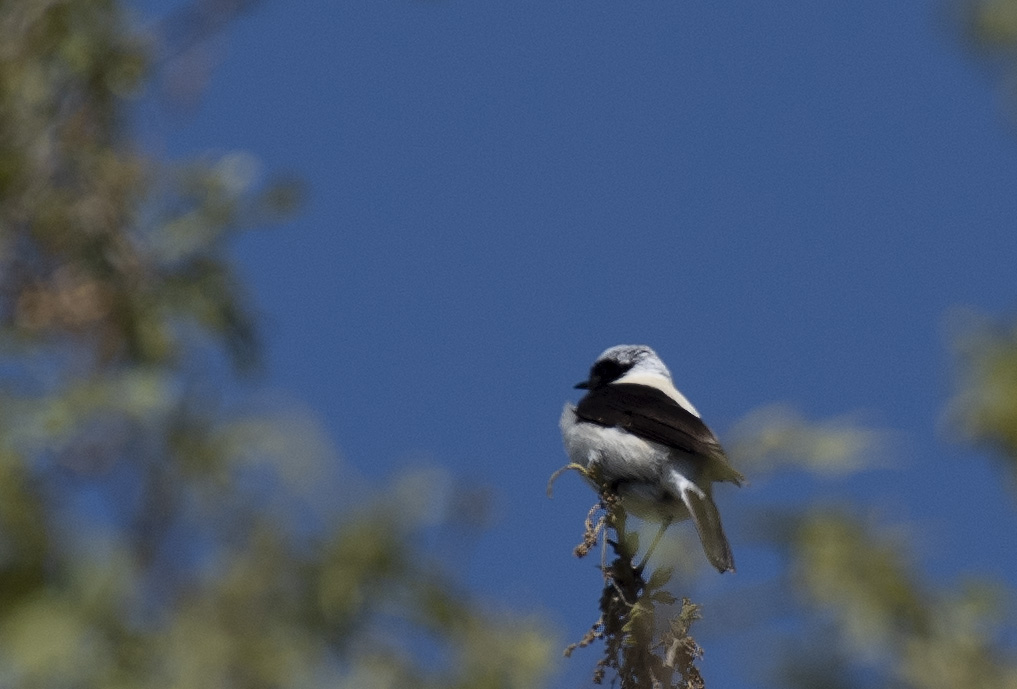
648, 445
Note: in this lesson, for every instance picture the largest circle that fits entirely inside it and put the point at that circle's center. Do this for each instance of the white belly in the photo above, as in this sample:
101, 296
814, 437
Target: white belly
644, 473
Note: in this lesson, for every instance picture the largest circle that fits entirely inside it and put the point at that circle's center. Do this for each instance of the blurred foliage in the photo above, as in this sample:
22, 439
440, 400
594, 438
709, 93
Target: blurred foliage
990, 31
992, 24
158, 528
984, 408
778, 436
857, 609
891, 621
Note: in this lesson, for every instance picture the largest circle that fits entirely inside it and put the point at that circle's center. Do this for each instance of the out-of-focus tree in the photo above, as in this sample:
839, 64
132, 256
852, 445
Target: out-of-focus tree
154, 529
985, 408
852, 600
990, 30
991, 25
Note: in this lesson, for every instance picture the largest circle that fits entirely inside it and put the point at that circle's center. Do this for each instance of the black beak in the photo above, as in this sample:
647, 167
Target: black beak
585, 385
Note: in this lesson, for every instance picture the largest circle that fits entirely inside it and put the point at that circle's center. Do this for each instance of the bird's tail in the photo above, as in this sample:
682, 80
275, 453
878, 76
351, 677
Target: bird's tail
711, 533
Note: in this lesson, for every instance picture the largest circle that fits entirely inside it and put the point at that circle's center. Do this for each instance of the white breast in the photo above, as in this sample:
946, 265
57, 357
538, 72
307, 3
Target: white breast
620, 454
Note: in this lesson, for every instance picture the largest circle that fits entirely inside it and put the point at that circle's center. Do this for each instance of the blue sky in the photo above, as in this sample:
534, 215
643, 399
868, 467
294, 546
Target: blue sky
785, 200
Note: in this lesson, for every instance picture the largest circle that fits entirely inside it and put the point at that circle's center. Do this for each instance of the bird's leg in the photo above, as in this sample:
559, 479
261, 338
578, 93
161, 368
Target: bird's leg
653, 546
603, 553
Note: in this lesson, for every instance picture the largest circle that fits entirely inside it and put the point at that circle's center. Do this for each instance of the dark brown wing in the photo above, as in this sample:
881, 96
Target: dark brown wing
650, 414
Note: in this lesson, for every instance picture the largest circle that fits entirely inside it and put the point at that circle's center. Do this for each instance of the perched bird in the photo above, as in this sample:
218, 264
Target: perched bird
647, 444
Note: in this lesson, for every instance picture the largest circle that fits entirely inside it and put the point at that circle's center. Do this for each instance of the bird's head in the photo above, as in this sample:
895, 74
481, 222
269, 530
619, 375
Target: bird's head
620, 360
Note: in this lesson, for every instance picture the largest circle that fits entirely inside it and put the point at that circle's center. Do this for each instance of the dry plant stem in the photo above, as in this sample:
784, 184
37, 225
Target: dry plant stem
592, 531
628, 611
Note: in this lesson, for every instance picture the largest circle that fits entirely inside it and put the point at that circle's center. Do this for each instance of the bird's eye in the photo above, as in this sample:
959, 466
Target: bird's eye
607, 371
